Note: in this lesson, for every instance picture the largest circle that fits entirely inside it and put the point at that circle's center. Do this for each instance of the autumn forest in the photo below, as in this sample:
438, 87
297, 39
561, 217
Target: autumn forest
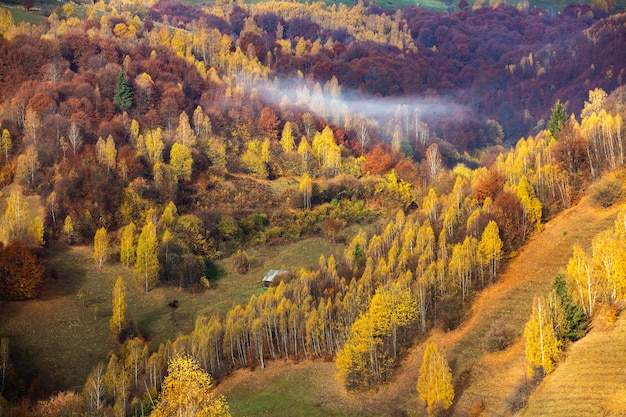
171, 141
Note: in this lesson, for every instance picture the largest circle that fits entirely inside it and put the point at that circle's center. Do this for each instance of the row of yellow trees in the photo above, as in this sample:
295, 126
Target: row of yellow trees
366, 308
592, 280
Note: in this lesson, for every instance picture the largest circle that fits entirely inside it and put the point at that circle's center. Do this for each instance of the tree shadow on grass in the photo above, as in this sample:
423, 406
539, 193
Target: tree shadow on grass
65, 274
213, 271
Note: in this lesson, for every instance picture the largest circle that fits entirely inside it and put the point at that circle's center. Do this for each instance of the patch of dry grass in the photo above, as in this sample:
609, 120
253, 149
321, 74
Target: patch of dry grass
528, 275
591, 381
291, 389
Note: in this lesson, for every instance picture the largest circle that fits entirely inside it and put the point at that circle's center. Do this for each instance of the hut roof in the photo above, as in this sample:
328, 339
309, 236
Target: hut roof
272, 274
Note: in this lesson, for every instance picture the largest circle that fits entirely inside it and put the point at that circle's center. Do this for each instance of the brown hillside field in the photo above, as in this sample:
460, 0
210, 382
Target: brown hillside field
492, 378
479, 375
591, 381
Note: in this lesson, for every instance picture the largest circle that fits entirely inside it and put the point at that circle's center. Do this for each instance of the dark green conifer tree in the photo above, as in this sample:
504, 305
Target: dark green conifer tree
557, 118
123, 98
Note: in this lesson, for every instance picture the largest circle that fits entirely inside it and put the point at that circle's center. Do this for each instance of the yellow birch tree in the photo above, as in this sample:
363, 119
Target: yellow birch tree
542, 346
6, 144
181, 161
147, 262
287, 141
118, 319
582, 280
434, 383
490, 248
68, 229
127, 245
187, 391
100, 246
306, 187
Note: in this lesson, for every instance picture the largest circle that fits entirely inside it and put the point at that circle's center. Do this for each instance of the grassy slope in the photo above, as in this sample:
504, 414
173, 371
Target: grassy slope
20, 15
492, 378
590, 382
40, 330
478, 375
66, 334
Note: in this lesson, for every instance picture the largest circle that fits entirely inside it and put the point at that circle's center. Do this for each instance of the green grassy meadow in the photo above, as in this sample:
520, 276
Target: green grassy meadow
20, 16
66, 332
288, 394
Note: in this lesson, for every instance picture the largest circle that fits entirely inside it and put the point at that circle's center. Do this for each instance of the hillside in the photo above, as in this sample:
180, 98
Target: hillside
76, 306
170, 155
493, 378
479, 376
590, 381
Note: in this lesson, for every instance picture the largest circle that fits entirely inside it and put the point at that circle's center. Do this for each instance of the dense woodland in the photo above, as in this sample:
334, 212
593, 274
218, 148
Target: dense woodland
155, 132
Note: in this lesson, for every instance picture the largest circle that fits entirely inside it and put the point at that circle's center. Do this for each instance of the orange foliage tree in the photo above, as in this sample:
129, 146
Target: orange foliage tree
20, 273
378, 161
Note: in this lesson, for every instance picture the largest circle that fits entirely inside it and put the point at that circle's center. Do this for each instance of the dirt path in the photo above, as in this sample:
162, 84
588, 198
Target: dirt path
492, 378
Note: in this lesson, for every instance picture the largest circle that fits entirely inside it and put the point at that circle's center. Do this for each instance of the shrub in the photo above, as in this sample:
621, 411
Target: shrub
449, 312
606, 192
242, 262
499, 337
21, 273
611, 313
477, 409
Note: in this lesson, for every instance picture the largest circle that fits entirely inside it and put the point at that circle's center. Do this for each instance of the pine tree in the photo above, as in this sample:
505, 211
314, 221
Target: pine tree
118, 319
434, 383
557, 118
123, 97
